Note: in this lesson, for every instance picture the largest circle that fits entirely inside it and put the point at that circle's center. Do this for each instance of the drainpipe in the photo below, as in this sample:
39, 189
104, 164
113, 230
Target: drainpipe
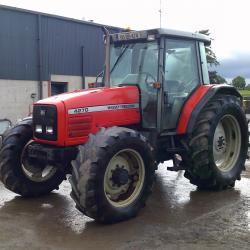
39, 43
83, 72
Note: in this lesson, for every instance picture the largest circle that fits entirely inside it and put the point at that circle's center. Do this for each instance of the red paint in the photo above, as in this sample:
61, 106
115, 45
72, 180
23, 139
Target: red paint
74, 129
79, 126
189, 106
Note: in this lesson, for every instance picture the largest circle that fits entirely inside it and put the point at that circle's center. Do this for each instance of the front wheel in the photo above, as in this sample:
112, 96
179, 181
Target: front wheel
218, 146
20, 174
113, 175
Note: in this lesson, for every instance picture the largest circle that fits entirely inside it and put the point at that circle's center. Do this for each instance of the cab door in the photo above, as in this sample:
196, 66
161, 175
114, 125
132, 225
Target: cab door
181, 78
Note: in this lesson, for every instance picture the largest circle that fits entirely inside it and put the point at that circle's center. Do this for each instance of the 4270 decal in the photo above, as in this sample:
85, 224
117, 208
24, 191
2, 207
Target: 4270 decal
103, 108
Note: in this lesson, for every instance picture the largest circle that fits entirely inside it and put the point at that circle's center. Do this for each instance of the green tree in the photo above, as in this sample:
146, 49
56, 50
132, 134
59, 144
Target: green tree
211, 57
239, 82
214, 77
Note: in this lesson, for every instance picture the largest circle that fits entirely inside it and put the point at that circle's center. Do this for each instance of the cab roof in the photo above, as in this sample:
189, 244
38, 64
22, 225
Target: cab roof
146, 34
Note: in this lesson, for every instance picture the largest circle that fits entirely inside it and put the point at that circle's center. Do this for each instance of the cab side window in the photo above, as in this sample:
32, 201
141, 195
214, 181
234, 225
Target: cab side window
181, 77
181, 69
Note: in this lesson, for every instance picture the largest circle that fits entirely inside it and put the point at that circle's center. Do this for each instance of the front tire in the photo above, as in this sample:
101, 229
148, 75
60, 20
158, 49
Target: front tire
113, 175
28, 180
218, 146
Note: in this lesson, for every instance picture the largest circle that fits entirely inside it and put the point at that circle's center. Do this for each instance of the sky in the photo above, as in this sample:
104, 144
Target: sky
227, 20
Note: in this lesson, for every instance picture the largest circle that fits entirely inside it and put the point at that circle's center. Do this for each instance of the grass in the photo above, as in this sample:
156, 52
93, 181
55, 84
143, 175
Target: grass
245, 92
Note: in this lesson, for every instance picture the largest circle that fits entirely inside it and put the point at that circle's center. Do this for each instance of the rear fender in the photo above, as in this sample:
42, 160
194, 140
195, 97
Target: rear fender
197, 101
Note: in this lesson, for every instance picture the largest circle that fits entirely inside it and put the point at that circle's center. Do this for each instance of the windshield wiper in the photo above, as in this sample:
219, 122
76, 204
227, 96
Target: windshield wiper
119, 57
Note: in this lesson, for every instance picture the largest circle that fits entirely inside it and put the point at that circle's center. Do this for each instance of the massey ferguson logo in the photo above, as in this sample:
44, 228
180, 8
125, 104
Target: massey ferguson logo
103, 108
42, 112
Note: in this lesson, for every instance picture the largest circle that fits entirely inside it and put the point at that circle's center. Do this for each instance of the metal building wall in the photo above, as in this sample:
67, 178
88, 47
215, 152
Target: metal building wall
70, 48
18, 45
67, 46
38, 50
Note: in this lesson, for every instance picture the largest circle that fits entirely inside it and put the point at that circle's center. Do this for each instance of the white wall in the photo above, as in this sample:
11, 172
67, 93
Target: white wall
15, 98
45, 89
15, 95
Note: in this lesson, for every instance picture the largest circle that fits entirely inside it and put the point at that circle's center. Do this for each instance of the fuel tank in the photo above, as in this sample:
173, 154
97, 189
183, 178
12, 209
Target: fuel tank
83, 112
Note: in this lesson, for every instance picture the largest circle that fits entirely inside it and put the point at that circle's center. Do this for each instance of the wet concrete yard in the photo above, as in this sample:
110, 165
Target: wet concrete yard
177, 216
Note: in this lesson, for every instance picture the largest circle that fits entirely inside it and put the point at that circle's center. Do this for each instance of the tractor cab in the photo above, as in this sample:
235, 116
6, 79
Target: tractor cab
166, 65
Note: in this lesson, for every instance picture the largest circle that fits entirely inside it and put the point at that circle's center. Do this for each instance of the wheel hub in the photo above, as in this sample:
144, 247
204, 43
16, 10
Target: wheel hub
221, 144
124, 177
220, 139
226, 143
120, 176
34, 170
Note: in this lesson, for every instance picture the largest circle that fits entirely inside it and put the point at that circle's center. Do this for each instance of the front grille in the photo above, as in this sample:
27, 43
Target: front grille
79, 126
45, 115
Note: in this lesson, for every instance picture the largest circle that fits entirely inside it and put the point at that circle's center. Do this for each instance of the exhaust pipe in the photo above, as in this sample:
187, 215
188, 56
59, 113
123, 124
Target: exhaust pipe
107, 57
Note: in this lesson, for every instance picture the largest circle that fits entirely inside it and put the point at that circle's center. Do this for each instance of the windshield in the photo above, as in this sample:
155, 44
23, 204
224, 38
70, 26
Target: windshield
137, 63
133, 63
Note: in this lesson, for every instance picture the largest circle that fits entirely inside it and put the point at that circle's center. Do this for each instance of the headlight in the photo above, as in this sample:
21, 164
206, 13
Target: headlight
39, 129
49, 130
45, 122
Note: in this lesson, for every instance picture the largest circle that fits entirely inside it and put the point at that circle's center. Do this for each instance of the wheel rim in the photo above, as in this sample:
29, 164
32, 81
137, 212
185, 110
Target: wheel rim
34, 171
226, 143
124, 178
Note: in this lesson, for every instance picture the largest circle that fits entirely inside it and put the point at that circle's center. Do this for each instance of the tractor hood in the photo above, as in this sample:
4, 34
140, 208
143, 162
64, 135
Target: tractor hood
85, 112
94, 97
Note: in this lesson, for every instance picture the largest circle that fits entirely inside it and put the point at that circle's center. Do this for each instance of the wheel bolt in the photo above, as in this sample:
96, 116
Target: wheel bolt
136, 178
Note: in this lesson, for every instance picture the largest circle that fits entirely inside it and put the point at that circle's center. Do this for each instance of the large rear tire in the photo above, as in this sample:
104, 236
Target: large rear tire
113, 175
28, 180
218, 146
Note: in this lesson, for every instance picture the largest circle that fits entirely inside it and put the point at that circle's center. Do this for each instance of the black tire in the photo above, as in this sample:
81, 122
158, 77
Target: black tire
89, 169
11, 173
201, 166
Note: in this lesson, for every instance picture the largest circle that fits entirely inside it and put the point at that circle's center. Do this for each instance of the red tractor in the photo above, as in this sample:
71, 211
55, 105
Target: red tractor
155, 104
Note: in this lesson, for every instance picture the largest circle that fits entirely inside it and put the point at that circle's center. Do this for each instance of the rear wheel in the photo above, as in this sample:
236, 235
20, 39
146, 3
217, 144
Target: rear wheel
218, 146
113, 175
20, 174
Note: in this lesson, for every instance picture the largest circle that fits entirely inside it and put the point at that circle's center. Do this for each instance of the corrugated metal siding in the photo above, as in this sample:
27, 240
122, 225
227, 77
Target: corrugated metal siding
62, 43
18, 46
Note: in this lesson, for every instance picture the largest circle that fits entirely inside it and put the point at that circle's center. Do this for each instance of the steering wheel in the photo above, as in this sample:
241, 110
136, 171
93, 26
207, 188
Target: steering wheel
147, 90
148, 75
